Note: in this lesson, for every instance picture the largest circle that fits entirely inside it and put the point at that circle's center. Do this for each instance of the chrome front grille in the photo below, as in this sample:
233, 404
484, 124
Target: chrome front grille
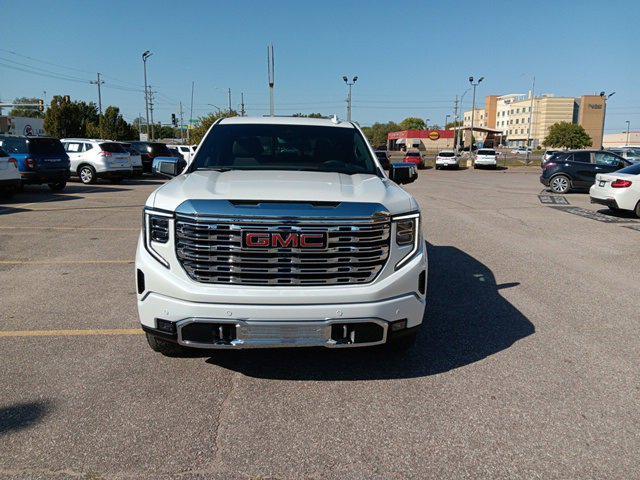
211, 251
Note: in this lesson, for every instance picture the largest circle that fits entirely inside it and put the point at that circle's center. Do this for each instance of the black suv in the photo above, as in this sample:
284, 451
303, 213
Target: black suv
151, 150
577, 169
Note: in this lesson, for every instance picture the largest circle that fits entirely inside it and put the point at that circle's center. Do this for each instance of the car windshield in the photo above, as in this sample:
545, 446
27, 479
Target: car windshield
413, 154
631, 170
446, 154
45, 146
486, 152
285, 147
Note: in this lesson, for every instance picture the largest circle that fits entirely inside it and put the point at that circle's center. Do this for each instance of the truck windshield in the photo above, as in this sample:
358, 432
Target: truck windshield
285, 147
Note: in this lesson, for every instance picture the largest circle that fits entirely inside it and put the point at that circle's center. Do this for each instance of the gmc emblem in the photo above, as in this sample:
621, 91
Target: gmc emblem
317, 241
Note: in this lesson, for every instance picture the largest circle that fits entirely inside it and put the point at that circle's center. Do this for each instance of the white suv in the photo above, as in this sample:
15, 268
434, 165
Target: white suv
92, 159
184, 150
10, 180
281, 232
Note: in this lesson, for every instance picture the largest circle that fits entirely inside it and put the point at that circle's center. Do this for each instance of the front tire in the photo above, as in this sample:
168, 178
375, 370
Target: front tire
87, 174
637, 210
560, 184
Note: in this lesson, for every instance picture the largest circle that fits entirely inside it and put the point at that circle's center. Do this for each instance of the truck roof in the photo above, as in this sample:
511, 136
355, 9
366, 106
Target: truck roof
319, 122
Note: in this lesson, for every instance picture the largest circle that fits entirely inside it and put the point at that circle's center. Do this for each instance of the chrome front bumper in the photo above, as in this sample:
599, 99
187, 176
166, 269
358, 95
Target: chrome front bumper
334, 333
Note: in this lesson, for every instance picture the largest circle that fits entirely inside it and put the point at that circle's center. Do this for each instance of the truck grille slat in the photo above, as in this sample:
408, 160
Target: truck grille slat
211, 251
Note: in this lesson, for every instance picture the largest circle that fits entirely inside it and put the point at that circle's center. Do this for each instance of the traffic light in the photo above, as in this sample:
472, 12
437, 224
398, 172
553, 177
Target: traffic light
174, 122
41, 105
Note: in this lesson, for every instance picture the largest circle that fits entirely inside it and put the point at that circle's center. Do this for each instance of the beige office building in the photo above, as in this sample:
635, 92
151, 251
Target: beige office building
479, 120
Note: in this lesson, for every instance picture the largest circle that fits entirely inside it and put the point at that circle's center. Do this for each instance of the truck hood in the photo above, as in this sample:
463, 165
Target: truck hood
281, 186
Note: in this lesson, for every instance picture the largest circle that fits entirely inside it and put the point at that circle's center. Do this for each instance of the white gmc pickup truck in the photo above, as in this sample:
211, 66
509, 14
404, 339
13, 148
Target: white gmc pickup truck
281, 232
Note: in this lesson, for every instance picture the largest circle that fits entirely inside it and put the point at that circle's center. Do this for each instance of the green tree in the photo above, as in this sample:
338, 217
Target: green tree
31, 112
413, 123
453, 124
203, 123
69, 119
111, 126
377, 133
567, 135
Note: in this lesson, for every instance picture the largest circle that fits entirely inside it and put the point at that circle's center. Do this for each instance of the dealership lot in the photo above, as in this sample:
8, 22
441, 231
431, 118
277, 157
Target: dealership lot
527, 366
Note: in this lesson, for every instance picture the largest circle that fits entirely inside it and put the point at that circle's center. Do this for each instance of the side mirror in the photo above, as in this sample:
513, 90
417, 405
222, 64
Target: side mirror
401, 173
168, 166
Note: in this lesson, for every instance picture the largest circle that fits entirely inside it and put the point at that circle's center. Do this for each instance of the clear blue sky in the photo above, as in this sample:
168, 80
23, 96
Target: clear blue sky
411, 57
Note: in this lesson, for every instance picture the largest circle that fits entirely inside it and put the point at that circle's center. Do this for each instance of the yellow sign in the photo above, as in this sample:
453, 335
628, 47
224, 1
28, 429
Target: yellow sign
434, 135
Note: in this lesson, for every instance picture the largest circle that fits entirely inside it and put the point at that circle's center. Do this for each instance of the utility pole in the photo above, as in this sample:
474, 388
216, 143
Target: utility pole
533, 95
272, 78
446, 120
350, 84
181, 125
151, 111
145, 56
45, 99
229, 101
455, 124
242, 112
626, 144
190, 113
473, 108
98, 83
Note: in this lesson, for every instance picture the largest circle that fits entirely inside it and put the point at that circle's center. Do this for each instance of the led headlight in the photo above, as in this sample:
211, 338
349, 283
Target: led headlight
407, 234
156, 230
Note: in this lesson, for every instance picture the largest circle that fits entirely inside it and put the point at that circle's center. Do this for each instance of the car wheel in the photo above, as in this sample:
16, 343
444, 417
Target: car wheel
165, 347
57, 186
637, 210
560, 184
87, 174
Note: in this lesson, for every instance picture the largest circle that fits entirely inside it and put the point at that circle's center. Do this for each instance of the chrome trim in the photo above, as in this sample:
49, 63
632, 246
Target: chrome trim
280, 336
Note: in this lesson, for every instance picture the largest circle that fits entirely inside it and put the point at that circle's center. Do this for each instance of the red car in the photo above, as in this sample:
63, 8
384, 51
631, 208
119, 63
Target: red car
414, 158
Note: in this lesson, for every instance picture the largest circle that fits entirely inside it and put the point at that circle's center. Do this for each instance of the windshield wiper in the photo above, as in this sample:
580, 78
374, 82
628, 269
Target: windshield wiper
216, 169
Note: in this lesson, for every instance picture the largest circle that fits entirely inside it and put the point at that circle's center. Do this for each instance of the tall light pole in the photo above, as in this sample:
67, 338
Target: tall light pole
145, 56
533, 96
426, 123
604, 97
346, 80
446, 120
473, 108
455, 135
627, 142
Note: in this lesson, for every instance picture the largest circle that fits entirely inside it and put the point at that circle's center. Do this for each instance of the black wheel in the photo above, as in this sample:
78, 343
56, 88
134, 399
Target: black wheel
637, 210
475, 166
87, 174
165, 347
57, 186
560, 184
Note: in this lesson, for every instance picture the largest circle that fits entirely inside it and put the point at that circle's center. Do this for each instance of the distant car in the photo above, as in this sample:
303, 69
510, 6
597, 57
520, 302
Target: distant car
151, 150
521, 150
136, 158
383, 158
94, 158
184, 151
629, 153
577, 169
486, 157
415, 158
40, 160
9, 175
447, 158
549, 153
619, 190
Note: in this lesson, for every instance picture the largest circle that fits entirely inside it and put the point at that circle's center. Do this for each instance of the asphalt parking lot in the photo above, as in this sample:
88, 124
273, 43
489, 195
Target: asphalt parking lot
527, 365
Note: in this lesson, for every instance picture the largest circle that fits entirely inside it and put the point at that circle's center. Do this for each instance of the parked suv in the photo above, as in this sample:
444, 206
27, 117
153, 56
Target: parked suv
151, 150
577, 169
40, 160
136, 158
282, 232
9, 175
486, 157
92, 159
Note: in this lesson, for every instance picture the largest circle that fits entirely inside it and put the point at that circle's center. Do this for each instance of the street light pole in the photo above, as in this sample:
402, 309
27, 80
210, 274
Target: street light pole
346, 80
530, 127
473, 109
426, 123
145, 56
626, 144
605, 97
446, 120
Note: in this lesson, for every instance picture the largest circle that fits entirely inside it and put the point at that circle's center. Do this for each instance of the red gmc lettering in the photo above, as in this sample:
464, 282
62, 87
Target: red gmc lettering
312, 240
257, 239
278, 240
